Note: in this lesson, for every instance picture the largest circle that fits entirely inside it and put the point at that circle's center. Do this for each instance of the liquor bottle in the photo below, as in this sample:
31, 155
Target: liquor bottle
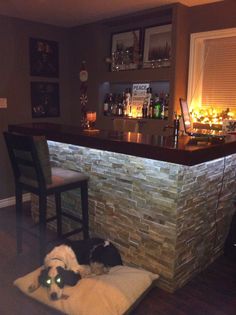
149, 97
163, 105
145, 106
106, 105
166, 110
163, 108
151, 109
146, 103
110, 104
144, 110
119, 109
128, 101
124, 105
114, 105
157, 107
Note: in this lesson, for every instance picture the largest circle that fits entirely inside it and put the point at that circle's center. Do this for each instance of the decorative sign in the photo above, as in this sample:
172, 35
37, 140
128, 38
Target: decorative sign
139, 93
83, 76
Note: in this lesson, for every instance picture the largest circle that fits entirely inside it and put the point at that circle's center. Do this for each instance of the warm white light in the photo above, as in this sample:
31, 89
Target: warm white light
209, 115
91, 116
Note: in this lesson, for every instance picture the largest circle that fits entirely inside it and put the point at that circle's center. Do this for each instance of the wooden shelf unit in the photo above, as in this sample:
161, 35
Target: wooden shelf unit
94, 46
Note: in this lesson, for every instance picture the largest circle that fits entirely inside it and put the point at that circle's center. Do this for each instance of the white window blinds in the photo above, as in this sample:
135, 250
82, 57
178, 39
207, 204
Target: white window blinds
219, 73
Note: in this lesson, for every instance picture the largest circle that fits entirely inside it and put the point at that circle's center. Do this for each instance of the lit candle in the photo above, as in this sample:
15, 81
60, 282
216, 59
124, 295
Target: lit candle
91, 116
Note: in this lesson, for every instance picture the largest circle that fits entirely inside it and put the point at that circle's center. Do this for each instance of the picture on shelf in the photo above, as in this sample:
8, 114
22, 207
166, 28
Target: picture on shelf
157, 46
45, 99
44, 58
125, 50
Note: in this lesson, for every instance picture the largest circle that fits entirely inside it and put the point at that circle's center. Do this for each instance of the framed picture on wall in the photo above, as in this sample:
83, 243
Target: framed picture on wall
44, 58
45, 99
125, 50
157, 46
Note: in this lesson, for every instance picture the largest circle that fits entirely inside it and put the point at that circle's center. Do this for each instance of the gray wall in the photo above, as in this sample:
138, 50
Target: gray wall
15, 81
213, 16
88, 43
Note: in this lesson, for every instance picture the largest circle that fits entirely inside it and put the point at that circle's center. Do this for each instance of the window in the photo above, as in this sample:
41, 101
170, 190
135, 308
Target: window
212, 71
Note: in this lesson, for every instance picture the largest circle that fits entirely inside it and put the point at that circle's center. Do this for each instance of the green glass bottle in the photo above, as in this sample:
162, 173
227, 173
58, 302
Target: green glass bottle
157, 107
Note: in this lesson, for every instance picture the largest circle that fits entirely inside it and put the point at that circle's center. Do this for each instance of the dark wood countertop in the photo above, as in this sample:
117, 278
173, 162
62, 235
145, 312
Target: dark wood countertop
149, 146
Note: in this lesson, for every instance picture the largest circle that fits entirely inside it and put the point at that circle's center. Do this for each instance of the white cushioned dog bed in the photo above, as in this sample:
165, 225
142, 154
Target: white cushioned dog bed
113, 293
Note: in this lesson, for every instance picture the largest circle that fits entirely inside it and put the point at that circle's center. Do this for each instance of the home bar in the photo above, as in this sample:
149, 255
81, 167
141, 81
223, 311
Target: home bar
118, 122
166, 204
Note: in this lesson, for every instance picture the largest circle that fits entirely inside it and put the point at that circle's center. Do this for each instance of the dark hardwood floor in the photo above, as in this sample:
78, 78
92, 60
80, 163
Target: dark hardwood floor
213, 292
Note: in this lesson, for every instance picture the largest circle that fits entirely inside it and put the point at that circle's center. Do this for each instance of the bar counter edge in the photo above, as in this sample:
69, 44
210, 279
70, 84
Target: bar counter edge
154, 147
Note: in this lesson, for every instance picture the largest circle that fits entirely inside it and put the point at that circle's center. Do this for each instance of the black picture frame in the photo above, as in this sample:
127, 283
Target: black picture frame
125, 50
45, 99
44, 58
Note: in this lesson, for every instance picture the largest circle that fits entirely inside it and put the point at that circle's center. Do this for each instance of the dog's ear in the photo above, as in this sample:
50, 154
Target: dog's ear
43, 277
69, 277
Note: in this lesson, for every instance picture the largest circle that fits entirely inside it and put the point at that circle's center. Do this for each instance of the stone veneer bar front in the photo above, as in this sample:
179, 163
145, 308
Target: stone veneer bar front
169, 218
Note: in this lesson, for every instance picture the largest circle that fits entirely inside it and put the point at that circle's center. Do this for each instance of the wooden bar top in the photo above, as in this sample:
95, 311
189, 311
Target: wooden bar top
156, 147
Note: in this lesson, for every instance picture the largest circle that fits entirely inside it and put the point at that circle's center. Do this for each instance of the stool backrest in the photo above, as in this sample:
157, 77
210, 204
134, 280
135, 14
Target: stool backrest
24, 152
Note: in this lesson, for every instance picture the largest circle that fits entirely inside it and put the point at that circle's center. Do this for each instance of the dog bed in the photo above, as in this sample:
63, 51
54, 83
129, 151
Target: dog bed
114, 293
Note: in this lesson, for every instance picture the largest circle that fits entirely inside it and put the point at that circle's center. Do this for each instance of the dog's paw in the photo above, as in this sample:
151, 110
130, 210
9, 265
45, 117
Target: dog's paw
98, 269
32, 288
84, 271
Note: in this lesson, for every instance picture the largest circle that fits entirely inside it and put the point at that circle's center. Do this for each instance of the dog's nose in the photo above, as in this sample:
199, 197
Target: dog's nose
53, 296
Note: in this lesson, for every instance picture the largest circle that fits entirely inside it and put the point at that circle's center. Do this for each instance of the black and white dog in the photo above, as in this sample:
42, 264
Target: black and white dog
66, 264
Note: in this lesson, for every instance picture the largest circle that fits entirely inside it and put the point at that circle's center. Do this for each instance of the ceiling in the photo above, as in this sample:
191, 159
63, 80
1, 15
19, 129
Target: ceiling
69, 13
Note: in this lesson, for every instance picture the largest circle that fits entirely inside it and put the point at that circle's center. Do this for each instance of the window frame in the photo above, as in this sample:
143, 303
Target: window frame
196, 61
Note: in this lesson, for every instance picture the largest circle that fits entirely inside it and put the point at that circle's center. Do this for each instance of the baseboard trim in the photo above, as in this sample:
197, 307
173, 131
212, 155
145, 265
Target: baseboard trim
11, 201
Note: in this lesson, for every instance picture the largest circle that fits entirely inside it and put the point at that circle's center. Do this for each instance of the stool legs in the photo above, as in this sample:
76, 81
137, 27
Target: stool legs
84, 203
43, 219
18, 219
58, 213
42, 225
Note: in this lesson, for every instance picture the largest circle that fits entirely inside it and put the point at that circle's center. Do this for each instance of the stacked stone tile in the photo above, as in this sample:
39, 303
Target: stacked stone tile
167, 218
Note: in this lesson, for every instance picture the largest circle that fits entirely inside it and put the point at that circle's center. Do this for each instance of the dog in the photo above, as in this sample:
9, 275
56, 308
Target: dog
71, 261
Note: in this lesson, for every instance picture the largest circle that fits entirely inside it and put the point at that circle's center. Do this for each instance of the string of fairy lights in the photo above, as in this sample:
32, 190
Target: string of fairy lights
211, 115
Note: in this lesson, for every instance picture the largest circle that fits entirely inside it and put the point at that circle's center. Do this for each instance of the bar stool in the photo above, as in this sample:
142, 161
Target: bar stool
29, 156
